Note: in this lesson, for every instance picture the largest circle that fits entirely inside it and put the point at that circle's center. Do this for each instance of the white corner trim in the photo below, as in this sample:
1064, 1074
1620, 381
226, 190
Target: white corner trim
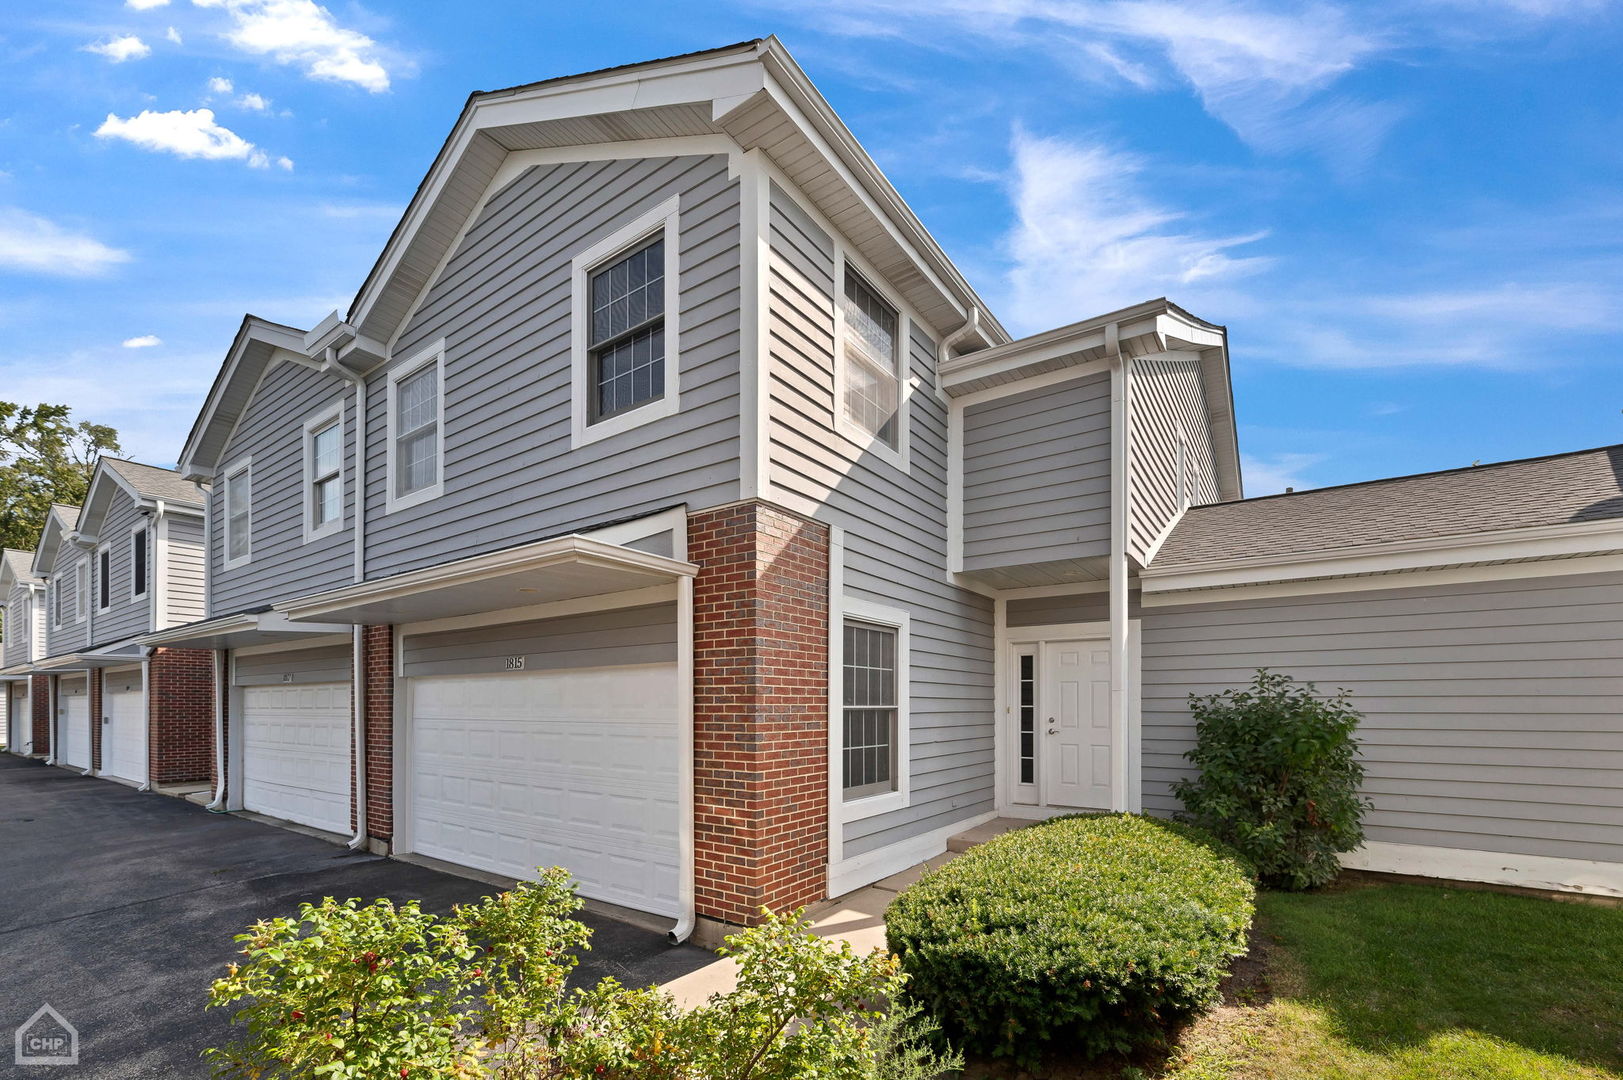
333, 412
1404, 579
836, 698
902, 359
755, 334
899, 620
239, 471
429, 356
955, 488
862, 870
662, 219
1492, 867
1166, 531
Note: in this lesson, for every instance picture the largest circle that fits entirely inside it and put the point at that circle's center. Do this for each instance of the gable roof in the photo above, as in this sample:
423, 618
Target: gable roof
142, 484
16, 566
258, 343
1572, 488
60, 521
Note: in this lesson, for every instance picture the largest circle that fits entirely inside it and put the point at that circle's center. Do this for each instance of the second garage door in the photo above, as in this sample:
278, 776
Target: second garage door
574, 768
21, 718
123, 736
295, 753
73, 722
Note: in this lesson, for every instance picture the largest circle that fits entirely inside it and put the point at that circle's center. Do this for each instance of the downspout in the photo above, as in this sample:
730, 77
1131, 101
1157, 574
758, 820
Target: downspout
943, 351
1120, 399
54, 728
218, 805
146, 713
687, 904
152, 621
358, 677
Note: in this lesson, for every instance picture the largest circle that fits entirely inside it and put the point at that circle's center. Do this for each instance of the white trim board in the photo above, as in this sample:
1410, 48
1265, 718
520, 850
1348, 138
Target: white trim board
1492, 867
863, 870
900, 620
429, 356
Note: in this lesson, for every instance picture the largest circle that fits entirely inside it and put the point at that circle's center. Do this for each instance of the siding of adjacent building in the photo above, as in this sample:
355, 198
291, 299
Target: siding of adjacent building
281, 564
1166, 403
186, 572
895, 534
125, 615
502, 307
1491, 708
16, 645
1037, 475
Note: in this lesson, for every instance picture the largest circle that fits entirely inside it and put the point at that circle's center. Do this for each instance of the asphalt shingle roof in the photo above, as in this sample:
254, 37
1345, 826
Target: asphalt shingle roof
21, 563
155, 483
70, 514
1584, 485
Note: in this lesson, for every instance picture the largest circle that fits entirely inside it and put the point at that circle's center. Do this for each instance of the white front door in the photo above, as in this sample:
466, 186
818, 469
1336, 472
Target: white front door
1075, 728
21, 718
574, 768
295, 753
73, 728
123, 735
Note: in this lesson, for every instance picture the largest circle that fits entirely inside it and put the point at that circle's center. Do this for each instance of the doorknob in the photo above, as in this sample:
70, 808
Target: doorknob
1052, 730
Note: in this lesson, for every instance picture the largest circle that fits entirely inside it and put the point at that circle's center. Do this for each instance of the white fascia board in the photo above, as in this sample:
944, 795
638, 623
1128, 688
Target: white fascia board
1042, 348
282, 340
1538, 542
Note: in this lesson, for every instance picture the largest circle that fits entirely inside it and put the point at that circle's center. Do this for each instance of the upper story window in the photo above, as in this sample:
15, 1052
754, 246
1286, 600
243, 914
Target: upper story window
324, 473
237, 500
138, 563
869, 361
625, 334
416, 428
81, 590
59, 603
104, 578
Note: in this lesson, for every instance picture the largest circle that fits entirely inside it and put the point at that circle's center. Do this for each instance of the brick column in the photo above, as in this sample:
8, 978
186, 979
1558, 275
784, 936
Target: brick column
760, 710
180, 702
377, 655
93, 688
39, 686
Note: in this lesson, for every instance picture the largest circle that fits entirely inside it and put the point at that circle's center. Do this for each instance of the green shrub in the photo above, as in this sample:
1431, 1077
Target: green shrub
1096, 930
1279, 777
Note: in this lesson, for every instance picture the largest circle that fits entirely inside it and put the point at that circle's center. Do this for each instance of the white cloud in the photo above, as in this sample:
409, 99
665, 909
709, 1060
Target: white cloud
188, 134
120, 49
145, 5
173, 35
219, 85
145, 341
253, 103
33, 244
305, 34
1086, 240
1272, 475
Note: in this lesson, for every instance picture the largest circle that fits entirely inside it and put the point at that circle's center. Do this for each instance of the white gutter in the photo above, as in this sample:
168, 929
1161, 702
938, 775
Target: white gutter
1120, 399
220, 673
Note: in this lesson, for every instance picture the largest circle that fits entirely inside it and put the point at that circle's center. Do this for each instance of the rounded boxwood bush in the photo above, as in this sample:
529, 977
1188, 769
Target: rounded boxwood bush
1097, 930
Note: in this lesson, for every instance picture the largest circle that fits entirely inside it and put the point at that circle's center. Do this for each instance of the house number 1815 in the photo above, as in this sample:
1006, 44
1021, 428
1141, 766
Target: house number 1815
515, 663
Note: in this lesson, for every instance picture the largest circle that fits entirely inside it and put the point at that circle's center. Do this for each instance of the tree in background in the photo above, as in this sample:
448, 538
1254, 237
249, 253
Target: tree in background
45, 457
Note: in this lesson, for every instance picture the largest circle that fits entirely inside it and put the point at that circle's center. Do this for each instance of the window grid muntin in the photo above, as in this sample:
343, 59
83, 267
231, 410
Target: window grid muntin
326, 467
1028, 718
417, 418
872, 383
626, 331
871, 711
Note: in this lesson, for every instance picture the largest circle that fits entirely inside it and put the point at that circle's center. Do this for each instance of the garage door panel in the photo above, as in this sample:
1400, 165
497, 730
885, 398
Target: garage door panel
75, 730
123, 747
573, 768
296, 753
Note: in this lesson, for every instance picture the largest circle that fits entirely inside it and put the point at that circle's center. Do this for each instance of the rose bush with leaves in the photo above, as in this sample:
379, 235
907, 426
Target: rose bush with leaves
1279, 777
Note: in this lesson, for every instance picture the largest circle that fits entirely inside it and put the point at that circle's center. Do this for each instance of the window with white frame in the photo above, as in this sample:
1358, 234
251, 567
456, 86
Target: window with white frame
324, 474
138, 562
416, 423
104, 578
59, 604
869, 361
626, 331
237, 499
81, 590
870, 682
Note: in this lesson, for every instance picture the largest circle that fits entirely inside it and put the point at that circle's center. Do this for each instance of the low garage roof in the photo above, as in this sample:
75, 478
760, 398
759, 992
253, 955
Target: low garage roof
1560, 489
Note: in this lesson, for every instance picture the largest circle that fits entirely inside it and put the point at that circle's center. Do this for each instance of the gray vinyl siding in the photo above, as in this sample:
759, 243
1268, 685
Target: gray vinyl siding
271, 431
1166, 400
321, 664
186, 571
125, 617
645, 635
1037, 475
1491, 708
72, 686
73, 634
502, 307
895, 535
660, 543
120, 680
16, 645
1058, 610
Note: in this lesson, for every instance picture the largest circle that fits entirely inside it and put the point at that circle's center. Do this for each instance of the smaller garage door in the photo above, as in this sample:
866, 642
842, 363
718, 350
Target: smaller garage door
21, 718
123, 734
73, 722
296, 753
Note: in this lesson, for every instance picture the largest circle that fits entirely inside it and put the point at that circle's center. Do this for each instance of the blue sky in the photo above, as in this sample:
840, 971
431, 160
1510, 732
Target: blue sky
1410, 216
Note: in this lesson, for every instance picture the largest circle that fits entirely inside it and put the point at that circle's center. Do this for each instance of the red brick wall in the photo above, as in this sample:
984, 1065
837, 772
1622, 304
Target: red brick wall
180, 739
760, 671
377, 653
40, 688
93, 681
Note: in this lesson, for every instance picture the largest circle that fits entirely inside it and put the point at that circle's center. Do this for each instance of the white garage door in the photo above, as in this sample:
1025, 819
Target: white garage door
20, 717
295, 753
123, 736
73, 728
566, 768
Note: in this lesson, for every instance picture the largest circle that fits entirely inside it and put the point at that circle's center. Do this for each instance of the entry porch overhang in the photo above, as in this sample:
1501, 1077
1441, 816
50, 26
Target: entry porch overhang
238, 631
121, 655
16, 673
564, 568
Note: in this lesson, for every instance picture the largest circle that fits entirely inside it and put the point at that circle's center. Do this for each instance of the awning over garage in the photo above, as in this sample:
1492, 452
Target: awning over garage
564, 568
239, 631
120, 655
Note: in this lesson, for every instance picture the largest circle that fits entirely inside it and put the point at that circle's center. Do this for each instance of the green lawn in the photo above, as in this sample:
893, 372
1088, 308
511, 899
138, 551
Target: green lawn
1415, 982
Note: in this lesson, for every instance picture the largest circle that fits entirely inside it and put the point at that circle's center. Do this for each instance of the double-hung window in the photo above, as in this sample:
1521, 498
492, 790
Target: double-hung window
59, 605
81, 590
239, 518
626, 335
869, 362
104, 578
416, 422
138, 563
324, 473
872, 709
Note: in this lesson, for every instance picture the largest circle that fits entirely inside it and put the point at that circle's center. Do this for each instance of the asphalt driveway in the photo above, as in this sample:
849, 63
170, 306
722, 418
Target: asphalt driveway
118, 909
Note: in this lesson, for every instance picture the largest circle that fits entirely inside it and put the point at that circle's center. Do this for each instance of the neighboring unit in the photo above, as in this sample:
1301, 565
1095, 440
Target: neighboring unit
23, 593
668, 506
